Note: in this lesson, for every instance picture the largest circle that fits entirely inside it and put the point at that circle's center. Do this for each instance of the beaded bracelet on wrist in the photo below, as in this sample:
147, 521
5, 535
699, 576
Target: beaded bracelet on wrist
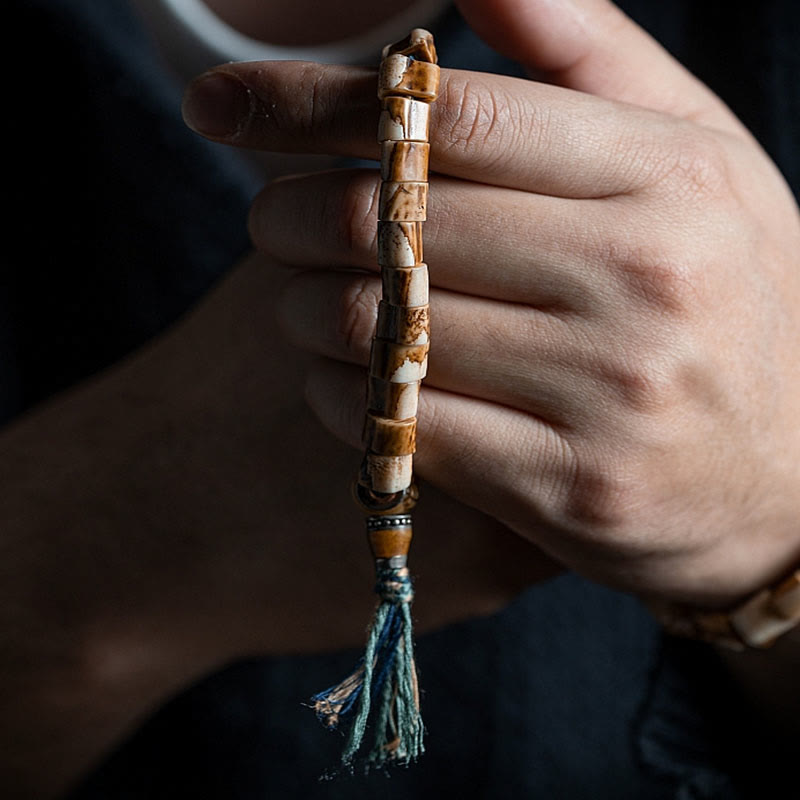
757, 623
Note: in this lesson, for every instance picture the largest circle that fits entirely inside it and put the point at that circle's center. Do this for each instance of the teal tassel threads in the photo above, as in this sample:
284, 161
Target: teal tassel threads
382, 691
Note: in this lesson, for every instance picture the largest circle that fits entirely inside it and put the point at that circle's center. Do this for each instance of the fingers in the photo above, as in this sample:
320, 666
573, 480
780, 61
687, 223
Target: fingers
549, 248
591, 46
514, 491
504, 354
493, 129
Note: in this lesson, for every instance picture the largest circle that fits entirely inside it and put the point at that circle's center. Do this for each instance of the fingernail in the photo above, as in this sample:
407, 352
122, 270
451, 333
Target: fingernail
216, 104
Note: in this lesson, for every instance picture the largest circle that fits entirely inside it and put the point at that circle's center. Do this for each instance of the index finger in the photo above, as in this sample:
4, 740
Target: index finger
488, 128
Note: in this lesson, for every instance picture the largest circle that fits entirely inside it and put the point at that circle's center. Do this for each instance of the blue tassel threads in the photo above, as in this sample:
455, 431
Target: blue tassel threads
383, 689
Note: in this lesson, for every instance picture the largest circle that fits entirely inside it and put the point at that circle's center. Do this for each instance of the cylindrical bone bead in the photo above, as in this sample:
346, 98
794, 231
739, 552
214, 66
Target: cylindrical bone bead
399, 244
390, 437
399, 74
393, 400
387, 474
398, 363
404, 119
404, 161
405, 286
418, 43
786, 599
403, 324
403, 202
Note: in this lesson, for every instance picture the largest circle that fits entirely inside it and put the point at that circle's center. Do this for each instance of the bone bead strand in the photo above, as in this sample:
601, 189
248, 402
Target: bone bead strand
381, 695
408, 81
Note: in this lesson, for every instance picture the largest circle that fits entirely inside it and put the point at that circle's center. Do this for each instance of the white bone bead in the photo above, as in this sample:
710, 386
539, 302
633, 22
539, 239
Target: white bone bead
389, 474
398, 363
393, 400
399, 74
757, 624
404, 119
786, 599
385, 436
399, 244
403, 324
404, 161
403, 202
406, 286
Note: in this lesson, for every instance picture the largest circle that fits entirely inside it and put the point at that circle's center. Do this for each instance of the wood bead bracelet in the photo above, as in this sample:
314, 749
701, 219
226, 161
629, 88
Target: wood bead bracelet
383, 688
757, 623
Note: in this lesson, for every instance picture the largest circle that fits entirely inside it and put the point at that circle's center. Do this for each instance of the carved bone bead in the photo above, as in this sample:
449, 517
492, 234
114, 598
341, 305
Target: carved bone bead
398, 363
404, 119
388, 474
403, 202
399, 244
393, 400
418, 43
406, 76
786, 599
390, 437
406, 286
404, 161
403, 324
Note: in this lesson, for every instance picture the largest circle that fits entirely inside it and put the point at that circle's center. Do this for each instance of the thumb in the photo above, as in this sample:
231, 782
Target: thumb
591, 46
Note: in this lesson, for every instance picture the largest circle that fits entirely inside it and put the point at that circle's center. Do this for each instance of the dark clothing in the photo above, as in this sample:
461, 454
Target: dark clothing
125, 220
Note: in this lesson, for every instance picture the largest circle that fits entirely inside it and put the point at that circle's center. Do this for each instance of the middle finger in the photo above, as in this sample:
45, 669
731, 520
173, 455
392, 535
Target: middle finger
481, 240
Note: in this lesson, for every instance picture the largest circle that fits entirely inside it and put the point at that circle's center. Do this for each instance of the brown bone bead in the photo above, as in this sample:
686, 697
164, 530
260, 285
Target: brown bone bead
406, 325
404, 161
398, 363
387, 474
393, 400
403, 202
406, 286
419, 43
786, 598
404, 119
399, 244
402, 75
390, 437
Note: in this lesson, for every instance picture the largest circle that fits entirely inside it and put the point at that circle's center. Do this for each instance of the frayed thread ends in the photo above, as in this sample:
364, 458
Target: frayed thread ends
383, 689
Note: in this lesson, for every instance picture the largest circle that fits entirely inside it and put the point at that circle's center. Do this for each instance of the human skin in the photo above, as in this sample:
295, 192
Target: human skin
614, 372
616, 301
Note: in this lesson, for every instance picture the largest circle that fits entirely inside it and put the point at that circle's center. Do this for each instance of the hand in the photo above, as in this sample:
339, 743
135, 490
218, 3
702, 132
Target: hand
616, 311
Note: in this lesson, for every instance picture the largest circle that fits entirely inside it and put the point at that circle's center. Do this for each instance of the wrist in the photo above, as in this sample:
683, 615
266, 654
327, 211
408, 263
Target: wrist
757, 622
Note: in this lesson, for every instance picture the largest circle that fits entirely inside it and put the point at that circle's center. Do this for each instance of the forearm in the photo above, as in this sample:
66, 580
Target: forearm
122, 515
97, 486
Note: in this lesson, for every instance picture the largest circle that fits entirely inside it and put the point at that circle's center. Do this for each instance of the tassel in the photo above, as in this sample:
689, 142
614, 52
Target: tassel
388, 671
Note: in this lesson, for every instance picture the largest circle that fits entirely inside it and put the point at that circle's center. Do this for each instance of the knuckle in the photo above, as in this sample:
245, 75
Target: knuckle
662, 275
605, 502
357, 212
313, 101
600, 496
477, 116
356, 315
696, 167
642, 385
646, 381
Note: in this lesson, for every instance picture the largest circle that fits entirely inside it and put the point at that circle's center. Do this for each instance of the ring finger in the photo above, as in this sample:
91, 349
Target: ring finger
510, 354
